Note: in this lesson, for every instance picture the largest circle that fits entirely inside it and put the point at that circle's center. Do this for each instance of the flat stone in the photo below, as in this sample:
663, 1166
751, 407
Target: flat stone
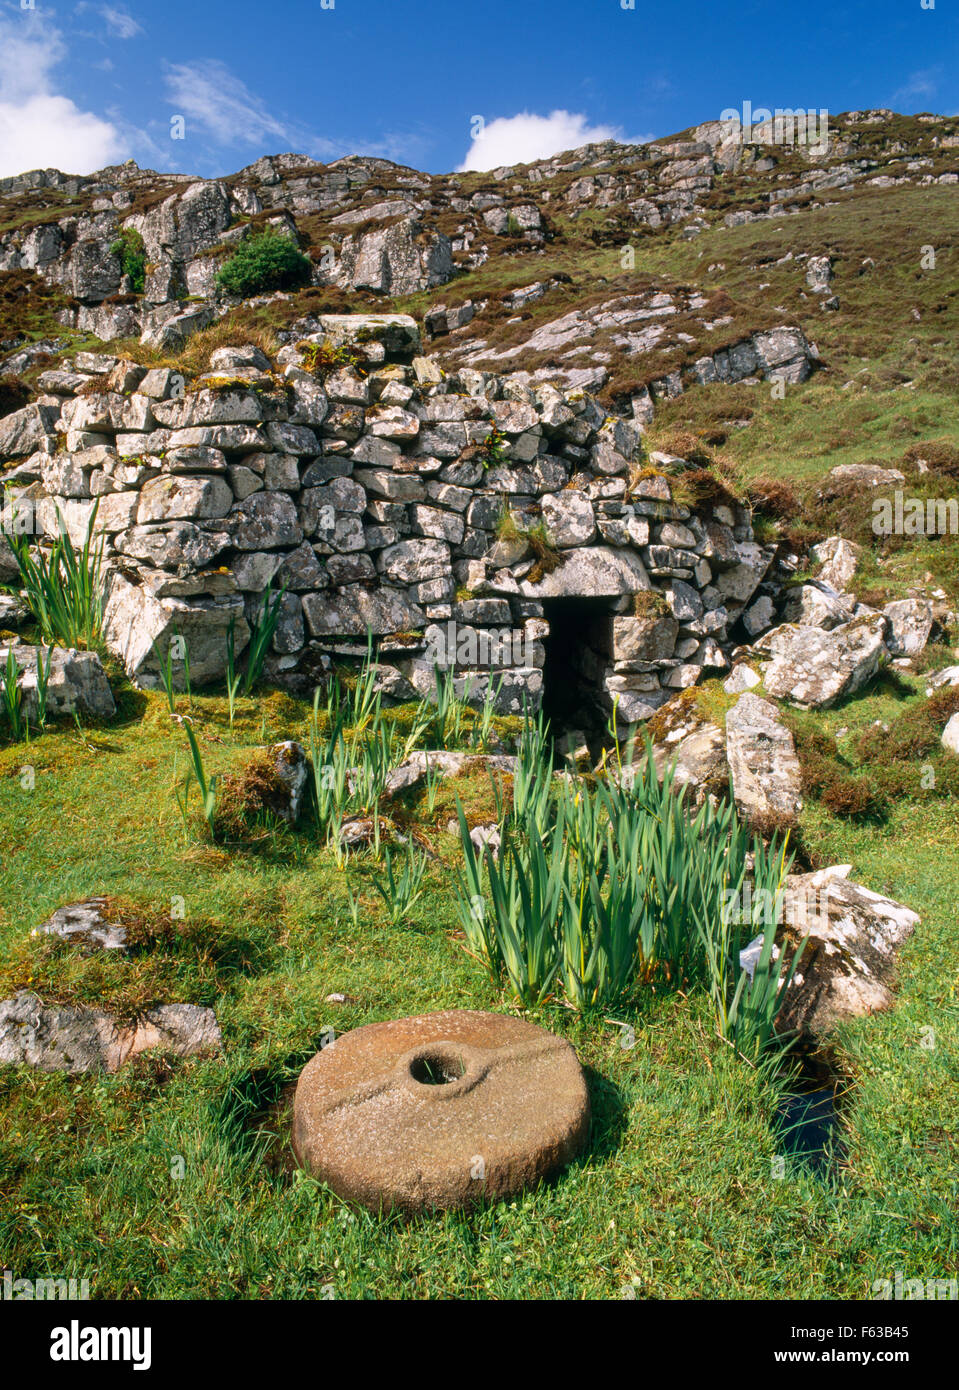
85, 924
441, 1110
57, 1038
592, 572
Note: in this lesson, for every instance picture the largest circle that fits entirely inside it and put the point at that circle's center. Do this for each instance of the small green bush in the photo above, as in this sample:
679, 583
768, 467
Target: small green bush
266, 261
130, 247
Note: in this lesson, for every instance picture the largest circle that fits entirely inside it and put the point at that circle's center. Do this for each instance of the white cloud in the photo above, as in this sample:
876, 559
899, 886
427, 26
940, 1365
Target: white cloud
123, 25
223, 108
39, 127
222, 105
920, 84
524, 138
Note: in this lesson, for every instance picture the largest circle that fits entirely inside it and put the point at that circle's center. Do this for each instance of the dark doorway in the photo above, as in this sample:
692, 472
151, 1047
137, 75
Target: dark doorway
578, 656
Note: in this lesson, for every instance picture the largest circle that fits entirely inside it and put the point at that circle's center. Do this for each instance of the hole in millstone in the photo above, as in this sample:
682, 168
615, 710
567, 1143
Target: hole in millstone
436, 1069
578, 655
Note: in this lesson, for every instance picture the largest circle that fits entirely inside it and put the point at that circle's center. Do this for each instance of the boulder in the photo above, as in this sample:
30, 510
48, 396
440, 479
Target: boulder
783, 354
848, 966
910, 623
816, 604
815, 668
838, 559
138, 617
864, 475
697, 751
762, 759
77, 682
819, 274
743, 678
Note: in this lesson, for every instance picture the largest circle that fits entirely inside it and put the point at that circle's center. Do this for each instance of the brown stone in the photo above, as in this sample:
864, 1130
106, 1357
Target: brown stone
441, 1110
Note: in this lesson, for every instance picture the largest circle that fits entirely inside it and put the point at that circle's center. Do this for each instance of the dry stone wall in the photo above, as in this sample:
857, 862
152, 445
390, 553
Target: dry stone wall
446, 515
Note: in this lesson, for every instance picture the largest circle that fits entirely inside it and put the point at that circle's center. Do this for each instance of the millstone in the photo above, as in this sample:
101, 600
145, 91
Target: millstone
441, 1110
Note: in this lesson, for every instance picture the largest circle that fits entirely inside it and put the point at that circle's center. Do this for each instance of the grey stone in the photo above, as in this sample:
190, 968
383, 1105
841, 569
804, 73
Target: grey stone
910, 623
762, 758
58, 1038
351, 612
265, 521
815, 668
76, 684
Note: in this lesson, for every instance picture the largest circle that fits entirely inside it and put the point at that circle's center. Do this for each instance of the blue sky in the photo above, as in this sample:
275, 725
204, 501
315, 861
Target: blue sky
85, 83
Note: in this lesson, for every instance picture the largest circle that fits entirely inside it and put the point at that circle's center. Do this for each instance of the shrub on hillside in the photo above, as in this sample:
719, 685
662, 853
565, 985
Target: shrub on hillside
14, 394
942, 456
266, 261
774, 498
847, 794
131, 249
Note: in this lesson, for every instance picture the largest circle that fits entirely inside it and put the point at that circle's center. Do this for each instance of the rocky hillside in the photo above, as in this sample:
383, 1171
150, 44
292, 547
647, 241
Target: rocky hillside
554, 269
486, 378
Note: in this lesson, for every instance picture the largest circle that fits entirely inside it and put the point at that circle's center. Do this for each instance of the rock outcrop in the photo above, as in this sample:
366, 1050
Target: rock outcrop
60, 1038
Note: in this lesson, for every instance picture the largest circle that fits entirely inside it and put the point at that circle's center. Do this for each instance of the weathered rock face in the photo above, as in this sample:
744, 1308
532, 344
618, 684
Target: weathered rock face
910, 623
373, 497
848, 966
77, 682
838, 560
54, 1038
815, 668
395, 260
26, 431
157, 609
762, 759
818, 605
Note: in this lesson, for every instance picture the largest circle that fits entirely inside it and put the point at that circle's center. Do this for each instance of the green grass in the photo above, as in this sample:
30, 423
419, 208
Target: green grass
674, 1195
